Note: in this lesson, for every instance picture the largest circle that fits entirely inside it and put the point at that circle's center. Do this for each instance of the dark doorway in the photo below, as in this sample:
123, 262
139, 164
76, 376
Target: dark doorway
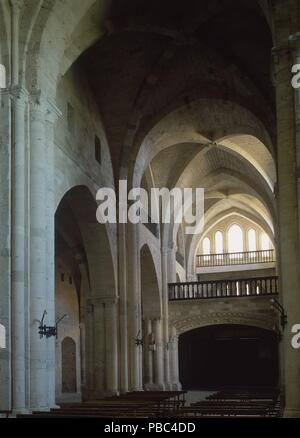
228, 356
68, 351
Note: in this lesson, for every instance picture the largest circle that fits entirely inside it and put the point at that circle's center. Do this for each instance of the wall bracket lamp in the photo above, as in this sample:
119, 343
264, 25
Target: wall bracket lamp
283, 315
49, 331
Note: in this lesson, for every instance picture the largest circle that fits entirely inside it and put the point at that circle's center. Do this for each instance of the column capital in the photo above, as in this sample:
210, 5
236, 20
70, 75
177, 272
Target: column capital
40, 101
168, 249
18, 93
16, 5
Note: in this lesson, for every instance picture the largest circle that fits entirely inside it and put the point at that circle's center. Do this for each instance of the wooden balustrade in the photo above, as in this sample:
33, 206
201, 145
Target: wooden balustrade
224, 288
235, 258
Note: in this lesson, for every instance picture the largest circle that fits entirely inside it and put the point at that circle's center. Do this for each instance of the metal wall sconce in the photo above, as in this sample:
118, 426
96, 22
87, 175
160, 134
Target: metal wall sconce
283, 315
139, 339
49, 331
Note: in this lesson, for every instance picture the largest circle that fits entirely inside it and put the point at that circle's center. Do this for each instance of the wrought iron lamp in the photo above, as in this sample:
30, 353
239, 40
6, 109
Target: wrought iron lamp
139, 339
283, 315
49, 331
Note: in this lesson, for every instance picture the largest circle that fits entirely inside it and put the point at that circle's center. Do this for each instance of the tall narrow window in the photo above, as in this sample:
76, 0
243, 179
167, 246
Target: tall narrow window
206, 251
2, 337
252, 240
2, 76
206, 246
97, 149
219, 242
265, 242
235, 239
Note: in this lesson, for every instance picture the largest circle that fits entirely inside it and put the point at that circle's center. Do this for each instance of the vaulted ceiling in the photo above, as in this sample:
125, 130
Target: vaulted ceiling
157, 55
184, 89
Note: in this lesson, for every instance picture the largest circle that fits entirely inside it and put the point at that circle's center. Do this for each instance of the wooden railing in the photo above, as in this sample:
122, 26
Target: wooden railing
250, 287
235, 258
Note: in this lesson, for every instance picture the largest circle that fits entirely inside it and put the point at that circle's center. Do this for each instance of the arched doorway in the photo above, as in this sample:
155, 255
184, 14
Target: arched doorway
68, 355
85, 295
228, 356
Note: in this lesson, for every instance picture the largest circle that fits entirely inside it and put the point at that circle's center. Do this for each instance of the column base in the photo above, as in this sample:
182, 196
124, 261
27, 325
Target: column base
154, 387
16, 412
124, 390
136, 389
39, 409
291, 413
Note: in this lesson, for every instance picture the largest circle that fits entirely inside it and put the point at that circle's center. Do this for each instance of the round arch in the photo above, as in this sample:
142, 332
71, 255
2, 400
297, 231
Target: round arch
97, 245
188, 129
84, 251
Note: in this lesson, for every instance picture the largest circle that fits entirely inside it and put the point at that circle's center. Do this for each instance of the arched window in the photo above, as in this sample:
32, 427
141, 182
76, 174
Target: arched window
252, 240
235, 239
2, 336
206, 246
219, 242
265, 242
2, 76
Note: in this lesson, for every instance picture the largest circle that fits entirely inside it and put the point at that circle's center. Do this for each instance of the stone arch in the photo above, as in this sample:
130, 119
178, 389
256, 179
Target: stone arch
187, 128
88, 247
97, 240
183, 325
65, 47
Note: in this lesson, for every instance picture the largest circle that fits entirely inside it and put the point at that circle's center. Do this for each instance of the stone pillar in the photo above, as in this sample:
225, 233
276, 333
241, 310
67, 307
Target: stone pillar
19, 210
158, 356
295, 46
98, 349
88, 392
134, 309
168, 261
111, 347
38, 301
123, 320
148, 354
5, 246
174, 361
83, 324
288, 213
51, 117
